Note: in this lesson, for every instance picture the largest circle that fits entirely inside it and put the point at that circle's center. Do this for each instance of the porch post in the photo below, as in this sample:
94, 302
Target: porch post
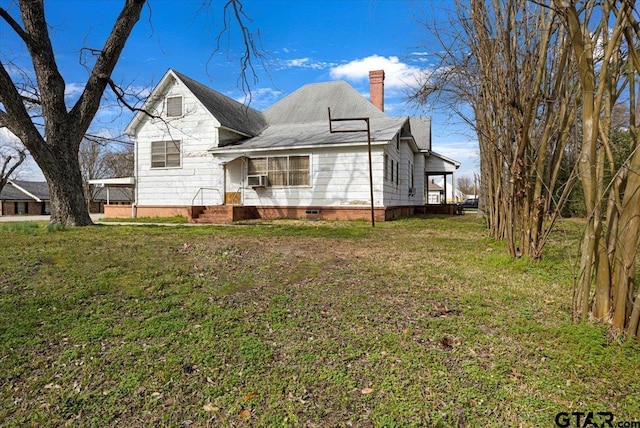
453, 188
445, 188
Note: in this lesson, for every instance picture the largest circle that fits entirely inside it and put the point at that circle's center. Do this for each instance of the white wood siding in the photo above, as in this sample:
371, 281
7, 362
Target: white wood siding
197, 131
396, 191
339, 177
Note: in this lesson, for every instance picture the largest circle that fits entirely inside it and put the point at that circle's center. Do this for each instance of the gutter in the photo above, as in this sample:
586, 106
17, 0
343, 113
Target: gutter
240, 150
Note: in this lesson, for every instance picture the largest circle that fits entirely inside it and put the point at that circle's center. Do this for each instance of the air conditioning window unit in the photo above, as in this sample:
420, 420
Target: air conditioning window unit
257, 180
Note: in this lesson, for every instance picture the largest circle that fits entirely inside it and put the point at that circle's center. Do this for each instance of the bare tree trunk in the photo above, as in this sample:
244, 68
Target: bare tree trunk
610, 243
56, 152
68, 204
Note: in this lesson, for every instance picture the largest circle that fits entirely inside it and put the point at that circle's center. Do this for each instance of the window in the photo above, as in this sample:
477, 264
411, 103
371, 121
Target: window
174, 106
282, 171
410, 175
21, 208
165, 154
386, 166
391, 170
397, 173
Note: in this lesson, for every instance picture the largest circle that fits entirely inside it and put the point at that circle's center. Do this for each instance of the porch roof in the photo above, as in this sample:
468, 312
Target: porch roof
316, 134
439, 164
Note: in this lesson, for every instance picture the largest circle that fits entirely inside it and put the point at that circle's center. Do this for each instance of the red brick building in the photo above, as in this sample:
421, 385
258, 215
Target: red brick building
24, 198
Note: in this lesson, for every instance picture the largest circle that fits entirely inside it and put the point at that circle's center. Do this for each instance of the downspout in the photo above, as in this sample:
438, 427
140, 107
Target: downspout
134, 205
243, 176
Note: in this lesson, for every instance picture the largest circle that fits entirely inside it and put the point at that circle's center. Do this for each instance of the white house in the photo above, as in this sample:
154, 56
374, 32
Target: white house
201, 154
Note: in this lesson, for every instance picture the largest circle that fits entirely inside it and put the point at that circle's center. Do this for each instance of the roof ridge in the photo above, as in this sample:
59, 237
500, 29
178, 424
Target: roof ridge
186, 78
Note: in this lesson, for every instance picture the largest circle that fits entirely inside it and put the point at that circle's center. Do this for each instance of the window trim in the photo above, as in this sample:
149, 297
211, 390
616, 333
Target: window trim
179, 142
288, 170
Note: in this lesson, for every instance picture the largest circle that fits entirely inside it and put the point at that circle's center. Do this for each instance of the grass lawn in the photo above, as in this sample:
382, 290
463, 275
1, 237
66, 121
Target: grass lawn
418, 322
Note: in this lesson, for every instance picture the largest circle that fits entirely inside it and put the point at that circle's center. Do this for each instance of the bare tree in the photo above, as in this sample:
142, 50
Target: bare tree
99, 159
466, 185
11, 157
507, 60
56, 144
120, 163
605, 43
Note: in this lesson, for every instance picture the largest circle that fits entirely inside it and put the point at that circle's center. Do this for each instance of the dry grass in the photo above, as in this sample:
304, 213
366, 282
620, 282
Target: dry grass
421, 322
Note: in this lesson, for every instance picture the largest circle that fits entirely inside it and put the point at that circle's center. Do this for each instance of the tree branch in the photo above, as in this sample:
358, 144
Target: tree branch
236, 9
15, 116
87, 105
14, 25
7, 170
120, 96
50, 81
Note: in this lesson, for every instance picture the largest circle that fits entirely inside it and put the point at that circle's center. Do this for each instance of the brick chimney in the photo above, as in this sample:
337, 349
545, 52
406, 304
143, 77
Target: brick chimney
376, 88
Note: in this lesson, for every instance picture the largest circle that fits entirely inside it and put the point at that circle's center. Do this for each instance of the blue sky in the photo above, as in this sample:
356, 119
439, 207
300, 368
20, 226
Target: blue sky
303, 41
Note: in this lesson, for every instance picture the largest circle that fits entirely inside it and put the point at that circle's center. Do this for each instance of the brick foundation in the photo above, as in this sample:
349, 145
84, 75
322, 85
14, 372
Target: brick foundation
321, 213
230, 213
447, 209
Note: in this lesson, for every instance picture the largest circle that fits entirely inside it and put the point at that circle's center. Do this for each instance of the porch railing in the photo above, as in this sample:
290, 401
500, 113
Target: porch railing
201, 194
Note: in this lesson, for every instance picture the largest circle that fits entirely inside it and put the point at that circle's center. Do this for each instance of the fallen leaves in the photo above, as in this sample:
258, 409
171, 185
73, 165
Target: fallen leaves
446, 343
366, 391
52, 386
249, 396
210, 408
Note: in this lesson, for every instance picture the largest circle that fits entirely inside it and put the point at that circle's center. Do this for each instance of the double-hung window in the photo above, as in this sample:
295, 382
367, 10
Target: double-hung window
282, 171
165, 154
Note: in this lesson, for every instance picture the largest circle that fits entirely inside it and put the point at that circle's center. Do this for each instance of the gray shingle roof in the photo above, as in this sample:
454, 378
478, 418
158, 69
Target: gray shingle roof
36, 188
301, 119
317, 134
421, 131
10, 193
116, 194
310, 102
230, 113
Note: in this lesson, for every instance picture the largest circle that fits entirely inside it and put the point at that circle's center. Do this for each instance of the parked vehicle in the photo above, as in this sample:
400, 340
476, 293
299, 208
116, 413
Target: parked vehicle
471, 203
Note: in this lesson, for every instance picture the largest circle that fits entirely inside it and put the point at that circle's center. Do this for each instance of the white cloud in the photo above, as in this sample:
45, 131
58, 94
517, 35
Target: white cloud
73, 90
7, 138
398, 75
304, 63
298, 62
260, 98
